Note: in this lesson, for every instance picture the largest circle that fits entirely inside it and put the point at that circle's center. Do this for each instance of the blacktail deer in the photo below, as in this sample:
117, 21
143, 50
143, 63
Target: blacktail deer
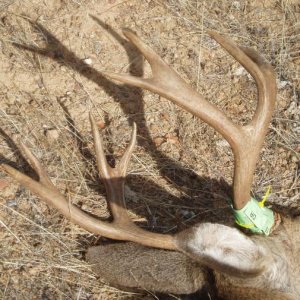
264, 265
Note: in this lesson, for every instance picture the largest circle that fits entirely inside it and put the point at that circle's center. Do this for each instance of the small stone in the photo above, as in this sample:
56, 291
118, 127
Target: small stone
173, 140
34, 270
282, 84
52, 135
154, 128
240, 71
158, 141
11, 203
282, 103
222, 144
84, 207
185, 213
130, 194
165, 116
88, 61
101, 124
3, 184
236, 5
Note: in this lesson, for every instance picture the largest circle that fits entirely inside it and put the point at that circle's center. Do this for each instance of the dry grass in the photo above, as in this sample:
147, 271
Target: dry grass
177, 174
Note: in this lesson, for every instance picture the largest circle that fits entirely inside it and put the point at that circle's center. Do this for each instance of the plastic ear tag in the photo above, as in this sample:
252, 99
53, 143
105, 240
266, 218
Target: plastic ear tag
255, 216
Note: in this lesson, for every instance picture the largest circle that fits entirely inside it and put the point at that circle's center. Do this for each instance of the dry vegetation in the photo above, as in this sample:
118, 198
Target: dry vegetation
181, 169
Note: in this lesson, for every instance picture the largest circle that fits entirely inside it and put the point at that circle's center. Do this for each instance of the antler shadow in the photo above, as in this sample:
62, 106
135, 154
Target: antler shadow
178, 175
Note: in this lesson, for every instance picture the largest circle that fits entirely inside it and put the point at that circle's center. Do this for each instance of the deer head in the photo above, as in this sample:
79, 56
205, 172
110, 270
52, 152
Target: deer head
243, 267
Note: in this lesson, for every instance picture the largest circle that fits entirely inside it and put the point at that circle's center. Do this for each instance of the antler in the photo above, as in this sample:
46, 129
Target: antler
245, 141
122, 228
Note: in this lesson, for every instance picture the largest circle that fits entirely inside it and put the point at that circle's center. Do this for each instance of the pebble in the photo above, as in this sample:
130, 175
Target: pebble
52, 135
88, 61
3, 184
12, 202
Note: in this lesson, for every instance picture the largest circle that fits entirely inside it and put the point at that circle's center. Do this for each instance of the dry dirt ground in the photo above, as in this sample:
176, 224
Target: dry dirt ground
181, 170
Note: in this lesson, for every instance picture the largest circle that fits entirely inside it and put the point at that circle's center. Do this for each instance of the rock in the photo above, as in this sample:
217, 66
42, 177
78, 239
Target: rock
52, 135
88, 61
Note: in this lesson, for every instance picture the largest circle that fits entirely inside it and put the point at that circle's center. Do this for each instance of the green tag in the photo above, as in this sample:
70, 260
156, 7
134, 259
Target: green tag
255, 217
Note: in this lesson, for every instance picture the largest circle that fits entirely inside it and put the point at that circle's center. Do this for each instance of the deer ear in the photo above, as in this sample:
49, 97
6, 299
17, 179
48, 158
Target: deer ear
223, 249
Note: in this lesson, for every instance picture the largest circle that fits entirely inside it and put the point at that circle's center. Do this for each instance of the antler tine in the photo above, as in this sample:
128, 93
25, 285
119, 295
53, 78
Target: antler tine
102, 164
245, 141
43, 176
44, 188
122, 228
263, 74
167, 83
123, 164
114, 178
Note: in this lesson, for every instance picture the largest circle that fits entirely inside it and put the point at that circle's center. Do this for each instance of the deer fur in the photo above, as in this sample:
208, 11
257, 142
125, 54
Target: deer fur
231, 264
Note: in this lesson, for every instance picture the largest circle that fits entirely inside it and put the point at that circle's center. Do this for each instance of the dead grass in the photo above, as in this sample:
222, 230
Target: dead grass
177, 174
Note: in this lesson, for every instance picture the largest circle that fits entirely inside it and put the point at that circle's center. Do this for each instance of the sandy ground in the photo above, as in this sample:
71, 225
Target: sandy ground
181, 170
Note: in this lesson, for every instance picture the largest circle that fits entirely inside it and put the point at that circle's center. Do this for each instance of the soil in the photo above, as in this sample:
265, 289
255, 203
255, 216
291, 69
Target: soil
52, 54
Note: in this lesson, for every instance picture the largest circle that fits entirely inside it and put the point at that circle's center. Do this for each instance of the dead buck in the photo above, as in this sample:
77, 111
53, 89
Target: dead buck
258, 266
